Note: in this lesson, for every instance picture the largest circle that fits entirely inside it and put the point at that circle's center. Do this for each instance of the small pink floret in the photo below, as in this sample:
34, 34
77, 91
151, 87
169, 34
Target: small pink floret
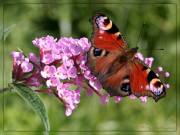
167, 86
117, 99
104, 98
132, 96
139, 56
26, 67
167, 74
143, 99
149, 61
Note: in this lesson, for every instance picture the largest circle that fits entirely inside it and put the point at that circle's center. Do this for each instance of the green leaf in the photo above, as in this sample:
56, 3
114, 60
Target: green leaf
35, 102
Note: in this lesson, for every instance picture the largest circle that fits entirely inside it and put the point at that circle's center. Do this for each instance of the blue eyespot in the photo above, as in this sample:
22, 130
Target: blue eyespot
126, 87
97, 52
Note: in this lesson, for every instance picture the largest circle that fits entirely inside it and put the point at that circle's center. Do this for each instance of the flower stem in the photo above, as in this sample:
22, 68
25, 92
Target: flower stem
59, 97
97, 92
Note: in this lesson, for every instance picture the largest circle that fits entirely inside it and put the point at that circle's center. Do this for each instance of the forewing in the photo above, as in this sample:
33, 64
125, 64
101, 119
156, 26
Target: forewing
106, 35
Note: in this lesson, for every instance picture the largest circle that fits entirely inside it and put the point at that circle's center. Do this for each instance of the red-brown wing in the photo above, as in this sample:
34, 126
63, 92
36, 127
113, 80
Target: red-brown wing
138, 79
106, 35
134, 78
117, 83
103, 64
145, 82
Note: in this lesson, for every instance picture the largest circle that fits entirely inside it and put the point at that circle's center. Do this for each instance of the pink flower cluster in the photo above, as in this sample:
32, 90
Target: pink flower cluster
61, 64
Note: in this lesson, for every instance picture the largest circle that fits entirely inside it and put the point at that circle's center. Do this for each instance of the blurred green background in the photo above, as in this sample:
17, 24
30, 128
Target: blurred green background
25, 22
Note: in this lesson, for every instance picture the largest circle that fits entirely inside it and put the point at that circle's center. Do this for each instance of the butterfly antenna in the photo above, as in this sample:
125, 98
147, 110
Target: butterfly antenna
140, 34
155, 49
140, 37
126, 15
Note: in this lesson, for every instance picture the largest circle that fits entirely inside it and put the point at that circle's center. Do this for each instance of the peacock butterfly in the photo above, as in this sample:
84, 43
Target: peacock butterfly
116, 66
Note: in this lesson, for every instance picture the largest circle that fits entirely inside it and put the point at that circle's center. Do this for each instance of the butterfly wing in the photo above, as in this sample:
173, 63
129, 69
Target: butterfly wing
145, 82
105, 34
133, 77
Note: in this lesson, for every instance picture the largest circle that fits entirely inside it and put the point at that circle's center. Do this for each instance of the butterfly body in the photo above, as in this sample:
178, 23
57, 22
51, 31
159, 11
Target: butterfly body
116, 66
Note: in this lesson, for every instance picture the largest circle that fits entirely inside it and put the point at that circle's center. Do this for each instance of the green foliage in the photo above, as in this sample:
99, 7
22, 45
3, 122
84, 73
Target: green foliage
72, 19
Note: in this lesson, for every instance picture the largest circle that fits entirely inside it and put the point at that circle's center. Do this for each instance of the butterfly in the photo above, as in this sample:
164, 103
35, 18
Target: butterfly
115, 65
